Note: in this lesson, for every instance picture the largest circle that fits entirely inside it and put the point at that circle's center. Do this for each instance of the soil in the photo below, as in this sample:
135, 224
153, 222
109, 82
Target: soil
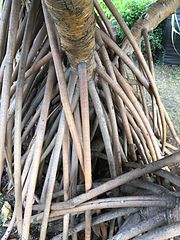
168, 83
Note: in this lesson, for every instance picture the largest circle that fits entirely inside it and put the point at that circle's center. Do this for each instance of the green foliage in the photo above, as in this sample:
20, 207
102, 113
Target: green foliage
131, 11
130, 8
117, 3
156, 38
1, 4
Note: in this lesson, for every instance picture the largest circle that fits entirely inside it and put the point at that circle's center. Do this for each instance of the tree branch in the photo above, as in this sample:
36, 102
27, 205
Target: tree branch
155, 14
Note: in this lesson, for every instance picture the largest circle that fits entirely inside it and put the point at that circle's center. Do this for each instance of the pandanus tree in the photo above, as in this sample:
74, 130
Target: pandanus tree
75, 121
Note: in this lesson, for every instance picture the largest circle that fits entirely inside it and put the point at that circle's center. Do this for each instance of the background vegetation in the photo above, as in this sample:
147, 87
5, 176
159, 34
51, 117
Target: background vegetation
132, 10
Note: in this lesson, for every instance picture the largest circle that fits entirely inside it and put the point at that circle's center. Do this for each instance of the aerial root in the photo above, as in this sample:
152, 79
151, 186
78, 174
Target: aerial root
69, 142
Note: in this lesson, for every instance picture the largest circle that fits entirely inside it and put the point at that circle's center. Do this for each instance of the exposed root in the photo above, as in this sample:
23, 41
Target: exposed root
69, 139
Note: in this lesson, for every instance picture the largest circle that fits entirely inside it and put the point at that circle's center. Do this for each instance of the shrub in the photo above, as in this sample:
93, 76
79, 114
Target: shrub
131, 11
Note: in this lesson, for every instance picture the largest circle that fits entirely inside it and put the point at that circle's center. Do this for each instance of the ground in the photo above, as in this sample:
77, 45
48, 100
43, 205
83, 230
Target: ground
168, 83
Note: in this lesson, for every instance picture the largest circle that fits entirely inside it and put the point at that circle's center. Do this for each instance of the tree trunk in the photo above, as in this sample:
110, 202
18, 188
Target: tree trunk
82, 126
75, 23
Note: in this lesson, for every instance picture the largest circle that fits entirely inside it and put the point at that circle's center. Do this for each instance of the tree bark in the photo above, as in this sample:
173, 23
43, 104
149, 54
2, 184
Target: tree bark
156, 13
75, 23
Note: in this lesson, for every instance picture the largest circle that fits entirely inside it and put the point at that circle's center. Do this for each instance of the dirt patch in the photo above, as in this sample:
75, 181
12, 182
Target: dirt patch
168, 83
